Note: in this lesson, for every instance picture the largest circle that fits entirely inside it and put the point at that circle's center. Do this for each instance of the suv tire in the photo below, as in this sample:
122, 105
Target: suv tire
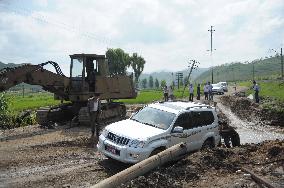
156, 151
207, 144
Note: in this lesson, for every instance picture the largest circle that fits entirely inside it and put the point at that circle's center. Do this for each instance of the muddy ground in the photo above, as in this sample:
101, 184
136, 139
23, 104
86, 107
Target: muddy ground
64, 156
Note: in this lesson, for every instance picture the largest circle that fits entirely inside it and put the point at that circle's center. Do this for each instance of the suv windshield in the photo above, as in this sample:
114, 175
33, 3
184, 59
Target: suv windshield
154, 117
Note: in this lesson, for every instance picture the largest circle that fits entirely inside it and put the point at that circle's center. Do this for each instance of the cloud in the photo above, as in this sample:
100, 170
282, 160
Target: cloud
166, 33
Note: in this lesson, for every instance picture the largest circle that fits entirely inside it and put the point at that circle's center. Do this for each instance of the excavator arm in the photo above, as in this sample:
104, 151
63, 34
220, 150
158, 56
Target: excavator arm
56, 83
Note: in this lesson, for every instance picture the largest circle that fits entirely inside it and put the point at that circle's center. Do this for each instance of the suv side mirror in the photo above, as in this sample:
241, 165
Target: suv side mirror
178, 129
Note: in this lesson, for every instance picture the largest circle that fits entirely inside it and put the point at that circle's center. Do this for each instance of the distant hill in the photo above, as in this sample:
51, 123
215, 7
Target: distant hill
171, 76
10, 65
268, 68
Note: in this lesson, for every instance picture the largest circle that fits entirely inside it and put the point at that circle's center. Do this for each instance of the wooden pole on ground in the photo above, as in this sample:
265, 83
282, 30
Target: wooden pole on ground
144, 166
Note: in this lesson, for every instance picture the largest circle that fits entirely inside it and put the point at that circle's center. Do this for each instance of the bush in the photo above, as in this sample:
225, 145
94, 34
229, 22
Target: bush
3, 104
9, 120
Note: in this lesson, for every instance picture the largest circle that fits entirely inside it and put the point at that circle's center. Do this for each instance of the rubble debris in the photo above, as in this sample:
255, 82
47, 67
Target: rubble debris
264, 114
218, 167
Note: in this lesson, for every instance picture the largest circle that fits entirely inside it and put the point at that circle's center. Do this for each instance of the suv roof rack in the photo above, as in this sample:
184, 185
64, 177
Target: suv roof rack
205, 106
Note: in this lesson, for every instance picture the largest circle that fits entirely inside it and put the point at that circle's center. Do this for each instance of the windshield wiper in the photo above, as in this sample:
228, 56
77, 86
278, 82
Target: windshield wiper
145, 123
149, 124
136, 120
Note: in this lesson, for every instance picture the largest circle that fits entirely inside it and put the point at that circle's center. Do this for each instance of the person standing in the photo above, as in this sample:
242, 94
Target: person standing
191, 90
170, 93
94, 107
235, 86
256, 89
210, 91
166, 95
205, 90
198, 92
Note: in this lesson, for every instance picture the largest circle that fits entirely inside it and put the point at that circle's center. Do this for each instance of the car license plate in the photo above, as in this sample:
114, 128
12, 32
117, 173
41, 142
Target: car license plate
112, 150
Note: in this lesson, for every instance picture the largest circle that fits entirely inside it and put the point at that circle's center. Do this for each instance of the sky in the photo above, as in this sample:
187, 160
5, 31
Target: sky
167, 33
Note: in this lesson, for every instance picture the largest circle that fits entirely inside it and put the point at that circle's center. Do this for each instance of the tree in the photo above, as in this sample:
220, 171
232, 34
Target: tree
157, 83
137, 64
151, 82
118, 61
163, 83
144, 83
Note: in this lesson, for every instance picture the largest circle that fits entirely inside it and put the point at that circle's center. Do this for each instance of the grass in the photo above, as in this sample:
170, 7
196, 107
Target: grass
31, 101
35, 100
268, 89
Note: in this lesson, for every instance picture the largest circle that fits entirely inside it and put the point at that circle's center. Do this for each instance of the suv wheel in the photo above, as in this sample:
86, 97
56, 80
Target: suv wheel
156, 151
207, 144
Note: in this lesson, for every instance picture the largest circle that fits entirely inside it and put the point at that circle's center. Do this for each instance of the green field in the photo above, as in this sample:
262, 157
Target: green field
32, 101
268, 89
19, 103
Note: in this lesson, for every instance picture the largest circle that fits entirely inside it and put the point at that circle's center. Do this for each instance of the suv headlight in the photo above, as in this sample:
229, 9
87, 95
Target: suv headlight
137, 143
104, 133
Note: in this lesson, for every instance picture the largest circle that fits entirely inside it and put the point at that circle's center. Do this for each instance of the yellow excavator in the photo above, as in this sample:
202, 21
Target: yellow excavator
89, 76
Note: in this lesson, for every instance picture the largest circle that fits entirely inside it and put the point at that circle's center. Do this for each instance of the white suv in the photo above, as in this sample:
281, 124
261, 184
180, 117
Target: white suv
158, 126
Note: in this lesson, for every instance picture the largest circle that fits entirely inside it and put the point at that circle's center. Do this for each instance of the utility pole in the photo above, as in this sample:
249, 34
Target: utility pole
211, 50
281, 64
281, 56
192, 66
253, 70
23, 90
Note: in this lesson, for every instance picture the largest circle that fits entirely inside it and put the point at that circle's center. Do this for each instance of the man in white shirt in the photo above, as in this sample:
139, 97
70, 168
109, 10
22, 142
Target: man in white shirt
205, 90
210, 92
94, 107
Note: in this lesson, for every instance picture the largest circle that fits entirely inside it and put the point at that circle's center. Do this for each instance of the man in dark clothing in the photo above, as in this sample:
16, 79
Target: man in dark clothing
166, 95
229, 134
198, 92
191, 90
256, 89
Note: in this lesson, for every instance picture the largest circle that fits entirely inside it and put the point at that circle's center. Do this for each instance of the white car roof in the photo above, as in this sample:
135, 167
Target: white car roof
178, 106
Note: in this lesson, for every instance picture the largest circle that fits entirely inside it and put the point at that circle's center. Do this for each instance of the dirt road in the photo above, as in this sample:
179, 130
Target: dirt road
36, 157
64, 157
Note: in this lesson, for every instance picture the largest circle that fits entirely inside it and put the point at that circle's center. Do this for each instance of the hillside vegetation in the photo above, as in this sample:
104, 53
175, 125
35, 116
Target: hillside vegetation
264, 69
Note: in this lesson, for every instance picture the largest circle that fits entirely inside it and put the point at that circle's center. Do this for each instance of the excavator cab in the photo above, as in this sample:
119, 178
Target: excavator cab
84, 69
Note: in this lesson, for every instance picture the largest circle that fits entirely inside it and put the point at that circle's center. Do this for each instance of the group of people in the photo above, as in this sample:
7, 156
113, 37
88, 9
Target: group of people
168, 92
207, 89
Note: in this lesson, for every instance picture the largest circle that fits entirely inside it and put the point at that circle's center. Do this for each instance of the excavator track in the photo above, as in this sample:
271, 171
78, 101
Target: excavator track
108, 113
49, 115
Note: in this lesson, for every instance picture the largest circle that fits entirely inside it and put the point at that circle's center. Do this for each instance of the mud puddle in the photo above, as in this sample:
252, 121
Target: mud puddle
251, 132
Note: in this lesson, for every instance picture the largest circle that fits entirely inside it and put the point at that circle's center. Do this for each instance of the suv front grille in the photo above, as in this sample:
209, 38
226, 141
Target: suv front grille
118, 139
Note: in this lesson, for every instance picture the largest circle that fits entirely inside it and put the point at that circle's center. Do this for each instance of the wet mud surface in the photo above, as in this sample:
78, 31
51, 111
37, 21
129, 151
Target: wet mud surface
65, 157
220, 167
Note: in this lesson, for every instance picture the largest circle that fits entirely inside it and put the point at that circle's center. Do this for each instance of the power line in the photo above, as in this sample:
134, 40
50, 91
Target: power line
39, 17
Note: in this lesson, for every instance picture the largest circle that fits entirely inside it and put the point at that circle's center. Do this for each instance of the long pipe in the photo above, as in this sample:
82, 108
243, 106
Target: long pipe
258, 179
144, 166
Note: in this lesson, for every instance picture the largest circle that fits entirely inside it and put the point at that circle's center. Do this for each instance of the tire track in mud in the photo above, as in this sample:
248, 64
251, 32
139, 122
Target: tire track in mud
250, 132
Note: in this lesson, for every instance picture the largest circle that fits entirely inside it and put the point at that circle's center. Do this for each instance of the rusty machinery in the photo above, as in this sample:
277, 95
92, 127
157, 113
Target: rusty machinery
89, 75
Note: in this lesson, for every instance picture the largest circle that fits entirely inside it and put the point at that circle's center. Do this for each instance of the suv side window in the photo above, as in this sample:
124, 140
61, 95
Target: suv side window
201, 118
208, 117
184, 120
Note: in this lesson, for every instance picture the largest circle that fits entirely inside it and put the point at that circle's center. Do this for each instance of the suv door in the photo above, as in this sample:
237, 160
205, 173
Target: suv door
202, 122
184, 121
